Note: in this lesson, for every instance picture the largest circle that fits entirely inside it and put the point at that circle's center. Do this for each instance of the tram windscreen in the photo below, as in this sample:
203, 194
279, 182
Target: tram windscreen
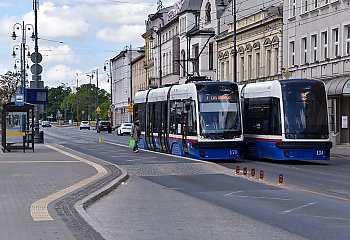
305, 110
219, 115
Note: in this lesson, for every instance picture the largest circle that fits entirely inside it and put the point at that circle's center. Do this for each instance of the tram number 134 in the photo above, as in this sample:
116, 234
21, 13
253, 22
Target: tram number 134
319, 152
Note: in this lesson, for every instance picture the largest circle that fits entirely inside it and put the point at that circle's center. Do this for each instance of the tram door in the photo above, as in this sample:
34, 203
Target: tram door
163, 121
150, 126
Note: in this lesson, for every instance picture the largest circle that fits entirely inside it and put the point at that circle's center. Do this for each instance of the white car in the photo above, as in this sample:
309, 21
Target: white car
125, 128
84, 125
46, 124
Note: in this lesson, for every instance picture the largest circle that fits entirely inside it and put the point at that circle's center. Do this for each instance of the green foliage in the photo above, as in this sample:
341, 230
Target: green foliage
80, 103
10, 83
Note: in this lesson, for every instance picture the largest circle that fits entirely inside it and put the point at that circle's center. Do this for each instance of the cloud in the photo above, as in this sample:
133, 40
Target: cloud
123, 34
60, 54
62, 21
59, 74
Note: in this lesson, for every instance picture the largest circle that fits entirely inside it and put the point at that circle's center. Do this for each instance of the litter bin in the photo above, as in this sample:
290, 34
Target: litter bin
41, 137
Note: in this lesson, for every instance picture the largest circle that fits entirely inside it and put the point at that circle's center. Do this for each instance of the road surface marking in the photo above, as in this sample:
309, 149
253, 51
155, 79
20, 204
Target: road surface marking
39, 209
297, 208
56, 161
231, 193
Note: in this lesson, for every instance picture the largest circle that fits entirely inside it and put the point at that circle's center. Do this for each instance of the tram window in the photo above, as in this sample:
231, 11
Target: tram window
192, 120
157, 117
176, 109
275, 127
140, 111
256, 115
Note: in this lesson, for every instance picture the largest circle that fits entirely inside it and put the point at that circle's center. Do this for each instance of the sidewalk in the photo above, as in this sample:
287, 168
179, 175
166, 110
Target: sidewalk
39, 192
340, 150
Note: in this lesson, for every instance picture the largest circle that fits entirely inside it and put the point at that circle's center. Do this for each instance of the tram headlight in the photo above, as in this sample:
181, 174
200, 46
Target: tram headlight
324, 136
286, 153
201, 153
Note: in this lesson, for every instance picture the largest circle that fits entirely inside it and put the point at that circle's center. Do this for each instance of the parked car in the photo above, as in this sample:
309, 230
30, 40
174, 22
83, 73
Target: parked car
125, 128
104, 126
46, 124
84, 125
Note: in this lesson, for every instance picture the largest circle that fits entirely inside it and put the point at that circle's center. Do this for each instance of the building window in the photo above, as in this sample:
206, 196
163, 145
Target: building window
304, 6
227, 70
347, 40
292, 8
257, 64
222, 71
211, 56
316, 4
250, 67
324, 39
170, 63
183, 65
196, 58
304, 50
292, 54
276, 58
335, 37
242, 68
268, 62
314, 47
208, 13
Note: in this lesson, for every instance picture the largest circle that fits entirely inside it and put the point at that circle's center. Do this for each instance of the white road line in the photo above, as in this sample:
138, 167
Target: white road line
231, 193
39, 209
159, 153
45, 161
297, 208
268, 198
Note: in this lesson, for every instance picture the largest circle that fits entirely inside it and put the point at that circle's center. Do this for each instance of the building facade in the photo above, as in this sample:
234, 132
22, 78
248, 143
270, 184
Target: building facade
121, 84
139, 82
317, 45
259, 47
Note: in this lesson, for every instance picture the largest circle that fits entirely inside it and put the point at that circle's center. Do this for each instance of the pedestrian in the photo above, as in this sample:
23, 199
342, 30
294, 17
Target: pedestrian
135, 134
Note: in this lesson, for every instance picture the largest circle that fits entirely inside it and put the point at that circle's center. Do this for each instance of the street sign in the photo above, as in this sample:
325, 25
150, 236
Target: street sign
98, 110
36, 69
287, 74
19, 99
37, 95
36, 57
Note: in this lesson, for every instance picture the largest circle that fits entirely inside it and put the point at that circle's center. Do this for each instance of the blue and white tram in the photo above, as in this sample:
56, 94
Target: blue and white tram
201, 120
286, 120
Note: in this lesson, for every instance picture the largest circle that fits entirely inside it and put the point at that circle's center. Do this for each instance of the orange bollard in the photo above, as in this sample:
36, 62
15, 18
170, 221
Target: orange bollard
261, 177
252, 173
237, 170
245, 171
280, 180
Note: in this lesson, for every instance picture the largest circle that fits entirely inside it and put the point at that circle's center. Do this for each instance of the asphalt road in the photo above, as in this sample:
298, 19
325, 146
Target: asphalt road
175, 198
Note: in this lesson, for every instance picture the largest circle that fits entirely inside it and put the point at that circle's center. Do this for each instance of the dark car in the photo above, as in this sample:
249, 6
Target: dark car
104, 126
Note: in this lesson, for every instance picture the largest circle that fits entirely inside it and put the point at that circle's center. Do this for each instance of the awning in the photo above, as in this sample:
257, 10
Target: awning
338, 86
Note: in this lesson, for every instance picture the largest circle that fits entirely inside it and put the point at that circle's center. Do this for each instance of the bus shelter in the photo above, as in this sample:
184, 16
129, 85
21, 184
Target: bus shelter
17, 128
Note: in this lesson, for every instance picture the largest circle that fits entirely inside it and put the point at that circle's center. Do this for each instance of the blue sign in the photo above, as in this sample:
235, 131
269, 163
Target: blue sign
19, 99
37, 95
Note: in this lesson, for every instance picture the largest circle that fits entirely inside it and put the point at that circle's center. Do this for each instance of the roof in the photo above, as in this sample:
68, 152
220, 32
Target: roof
191, 6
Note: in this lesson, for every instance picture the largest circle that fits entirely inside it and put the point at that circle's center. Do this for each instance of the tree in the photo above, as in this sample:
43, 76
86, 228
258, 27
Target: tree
9, 85
81, 103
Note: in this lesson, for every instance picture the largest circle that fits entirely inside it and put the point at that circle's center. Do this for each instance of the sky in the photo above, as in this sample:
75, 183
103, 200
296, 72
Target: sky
75, 36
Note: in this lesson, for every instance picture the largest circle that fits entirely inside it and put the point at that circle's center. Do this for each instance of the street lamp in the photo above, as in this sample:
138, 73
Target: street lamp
95, 72
158, 32
64, 87
109, 79
234, 12
89, 105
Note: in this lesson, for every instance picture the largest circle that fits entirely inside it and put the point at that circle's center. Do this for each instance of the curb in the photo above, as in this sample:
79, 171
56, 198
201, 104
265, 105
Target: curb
83, 204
